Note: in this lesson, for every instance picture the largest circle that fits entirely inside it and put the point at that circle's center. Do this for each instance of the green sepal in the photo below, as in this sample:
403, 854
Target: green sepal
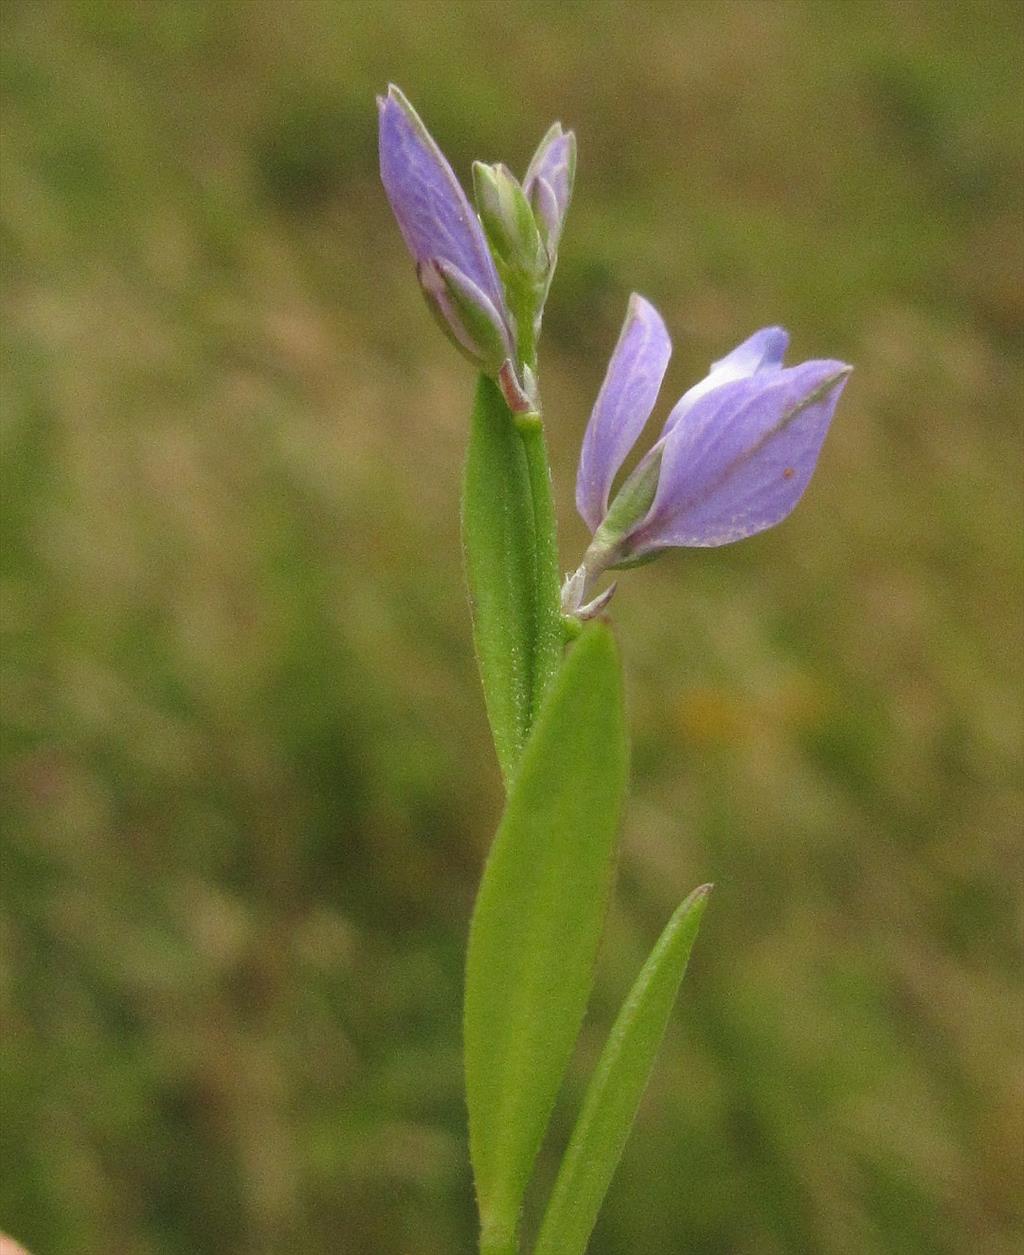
509, 221
537, 924
465, 315
617, 1086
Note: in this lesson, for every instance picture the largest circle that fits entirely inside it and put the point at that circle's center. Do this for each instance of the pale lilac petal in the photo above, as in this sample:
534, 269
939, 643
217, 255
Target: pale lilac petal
433, 212
548, 184
555, 163
742, 458
623, 406
761, 352
545, 209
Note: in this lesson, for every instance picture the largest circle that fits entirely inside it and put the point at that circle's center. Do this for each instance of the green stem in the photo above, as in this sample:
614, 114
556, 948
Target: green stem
549, 635
499, 1242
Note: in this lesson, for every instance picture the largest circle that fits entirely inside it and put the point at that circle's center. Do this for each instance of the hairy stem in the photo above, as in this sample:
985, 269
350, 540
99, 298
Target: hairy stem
548, 635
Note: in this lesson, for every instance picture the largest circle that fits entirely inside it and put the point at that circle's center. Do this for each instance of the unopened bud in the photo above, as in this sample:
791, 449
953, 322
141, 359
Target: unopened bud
548, 184
508, 221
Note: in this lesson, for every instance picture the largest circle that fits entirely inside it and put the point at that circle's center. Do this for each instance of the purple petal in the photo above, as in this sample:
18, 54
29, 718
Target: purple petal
763, 351
433, 212
555, 162
545, 209
742, 458
623, 406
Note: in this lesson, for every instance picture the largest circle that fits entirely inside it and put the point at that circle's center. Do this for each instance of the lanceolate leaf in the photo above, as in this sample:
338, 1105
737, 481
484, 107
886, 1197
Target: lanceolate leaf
617, 1086
537, 924
499, 543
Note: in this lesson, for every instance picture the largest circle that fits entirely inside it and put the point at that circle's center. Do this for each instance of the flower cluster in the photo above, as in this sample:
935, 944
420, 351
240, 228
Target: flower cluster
736, 452
485, 277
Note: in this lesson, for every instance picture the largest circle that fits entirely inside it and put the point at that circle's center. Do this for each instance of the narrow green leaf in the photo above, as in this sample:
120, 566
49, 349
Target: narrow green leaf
537, 924
498, 537
615, 1090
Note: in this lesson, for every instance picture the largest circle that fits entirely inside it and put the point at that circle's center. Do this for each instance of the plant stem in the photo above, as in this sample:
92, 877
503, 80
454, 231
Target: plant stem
499, 1242
549, 637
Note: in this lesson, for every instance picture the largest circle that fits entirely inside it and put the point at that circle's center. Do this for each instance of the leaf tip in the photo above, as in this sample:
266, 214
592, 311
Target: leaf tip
692, 906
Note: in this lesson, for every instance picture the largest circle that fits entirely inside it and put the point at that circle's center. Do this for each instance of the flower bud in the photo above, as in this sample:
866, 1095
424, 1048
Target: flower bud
508, 221
548, 184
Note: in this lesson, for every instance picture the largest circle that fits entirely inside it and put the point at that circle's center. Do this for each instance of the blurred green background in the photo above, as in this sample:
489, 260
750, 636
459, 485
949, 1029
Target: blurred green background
248, 783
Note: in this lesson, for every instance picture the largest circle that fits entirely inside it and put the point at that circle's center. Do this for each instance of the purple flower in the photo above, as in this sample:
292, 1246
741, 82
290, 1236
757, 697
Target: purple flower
444, 236
734, 456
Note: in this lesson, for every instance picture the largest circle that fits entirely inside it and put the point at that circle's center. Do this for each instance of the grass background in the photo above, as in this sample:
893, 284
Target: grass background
248, 785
